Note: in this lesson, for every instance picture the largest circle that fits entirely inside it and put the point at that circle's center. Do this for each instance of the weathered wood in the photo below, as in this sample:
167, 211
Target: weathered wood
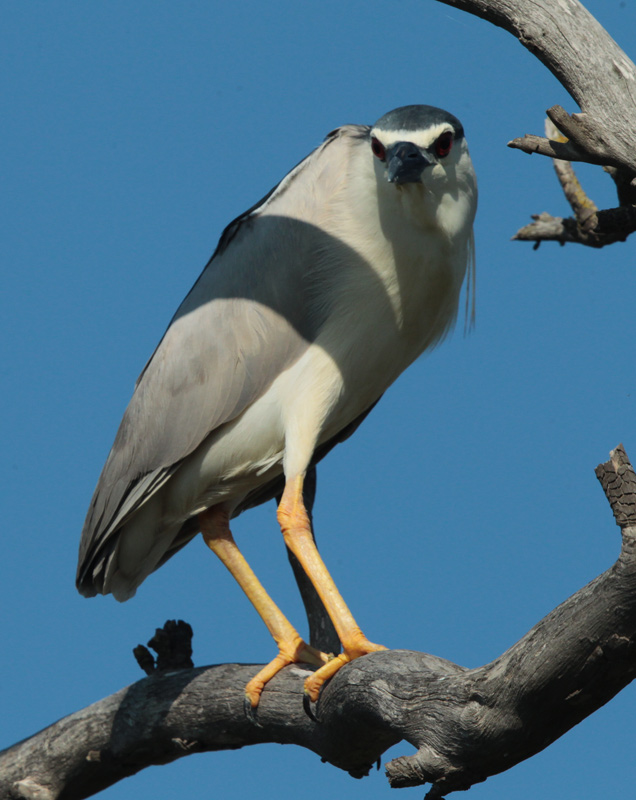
585, 59
466, 724
618, 480
601, 78
611, 225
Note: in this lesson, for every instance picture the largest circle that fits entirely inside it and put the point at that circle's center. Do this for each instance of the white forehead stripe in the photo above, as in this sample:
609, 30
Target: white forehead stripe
422, 138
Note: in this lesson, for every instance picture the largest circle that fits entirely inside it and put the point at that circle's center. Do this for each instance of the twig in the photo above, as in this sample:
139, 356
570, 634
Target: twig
589, 226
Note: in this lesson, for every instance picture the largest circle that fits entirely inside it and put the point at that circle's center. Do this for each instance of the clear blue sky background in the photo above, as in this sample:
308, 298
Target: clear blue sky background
466, 506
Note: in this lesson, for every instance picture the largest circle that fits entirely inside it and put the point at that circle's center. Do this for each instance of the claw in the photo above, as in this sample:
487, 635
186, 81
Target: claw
307, 707
250, 712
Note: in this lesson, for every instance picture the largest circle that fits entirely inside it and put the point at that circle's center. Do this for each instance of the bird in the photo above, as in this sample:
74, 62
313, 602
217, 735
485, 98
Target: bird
314, 301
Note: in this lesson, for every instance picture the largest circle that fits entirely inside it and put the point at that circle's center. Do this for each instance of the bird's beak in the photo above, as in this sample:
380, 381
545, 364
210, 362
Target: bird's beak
405, 163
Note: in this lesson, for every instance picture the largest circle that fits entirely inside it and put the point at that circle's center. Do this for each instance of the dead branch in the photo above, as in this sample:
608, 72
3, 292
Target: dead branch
612, 225
602, 80
589, 226
466, 724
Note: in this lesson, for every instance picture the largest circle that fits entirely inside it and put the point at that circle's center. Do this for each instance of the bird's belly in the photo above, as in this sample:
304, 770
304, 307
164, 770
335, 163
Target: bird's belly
359, 352
232, 461
278, 432
376, 341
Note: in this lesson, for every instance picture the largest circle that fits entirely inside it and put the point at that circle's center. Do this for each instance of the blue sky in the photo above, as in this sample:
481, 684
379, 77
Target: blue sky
463, 510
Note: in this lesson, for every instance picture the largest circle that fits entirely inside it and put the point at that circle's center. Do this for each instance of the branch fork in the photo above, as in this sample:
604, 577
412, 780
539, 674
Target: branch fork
602, 81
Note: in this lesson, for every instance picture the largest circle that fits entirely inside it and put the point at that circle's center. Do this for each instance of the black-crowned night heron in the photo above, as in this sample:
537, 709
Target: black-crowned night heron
313, 303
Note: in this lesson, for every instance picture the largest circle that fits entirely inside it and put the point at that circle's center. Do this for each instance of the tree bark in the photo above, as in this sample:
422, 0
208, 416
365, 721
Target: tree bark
466, 724
601, 78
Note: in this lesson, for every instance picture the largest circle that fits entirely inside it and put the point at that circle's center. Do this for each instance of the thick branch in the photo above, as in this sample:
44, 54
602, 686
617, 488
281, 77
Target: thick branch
586, 61
601, 78
466, 724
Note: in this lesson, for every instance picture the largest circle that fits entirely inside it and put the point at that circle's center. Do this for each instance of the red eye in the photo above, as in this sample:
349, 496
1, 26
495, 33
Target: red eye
378, 149
443, 144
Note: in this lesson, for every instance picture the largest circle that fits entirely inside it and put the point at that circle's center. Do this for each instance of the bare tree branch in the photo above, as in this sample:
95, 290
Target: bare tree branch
601, 79
547, 147
585, 210
613, 225
585, 59
589, 226
466, 724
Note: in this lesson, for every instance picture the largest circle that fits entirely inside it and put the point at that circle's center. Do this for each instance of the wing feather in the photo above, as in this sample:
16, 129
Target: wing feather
250, 315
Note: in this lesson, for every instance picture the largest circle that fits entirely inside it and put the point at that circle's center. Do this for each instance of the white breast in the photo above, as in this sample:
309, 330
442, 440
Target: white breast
393, 281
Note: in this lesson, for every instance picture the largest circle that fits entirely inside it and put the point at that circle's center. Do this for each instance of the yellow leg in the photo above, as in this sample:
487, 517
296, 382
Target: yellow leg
216, 532
294, 523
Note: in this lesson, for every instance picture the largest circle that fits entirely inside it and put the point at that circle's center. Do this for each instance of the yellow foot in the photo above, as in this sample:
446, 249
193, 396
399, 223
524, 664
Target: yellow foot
294, 652
360, 647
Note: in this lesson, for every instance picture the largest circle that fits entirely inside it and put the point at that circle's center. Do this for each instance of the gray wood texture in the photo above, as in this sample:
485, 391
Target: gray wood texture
466, 724
601, 78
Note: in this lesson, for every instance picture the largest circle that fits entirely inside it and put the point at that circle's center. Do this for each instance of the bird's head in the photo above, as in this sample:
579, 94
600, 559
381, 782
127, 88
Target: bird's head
422, 149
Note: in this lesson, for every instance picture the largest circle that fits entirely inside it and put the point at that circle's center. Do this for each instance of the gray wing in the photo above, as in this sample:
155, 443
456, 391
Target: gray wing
250, 315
